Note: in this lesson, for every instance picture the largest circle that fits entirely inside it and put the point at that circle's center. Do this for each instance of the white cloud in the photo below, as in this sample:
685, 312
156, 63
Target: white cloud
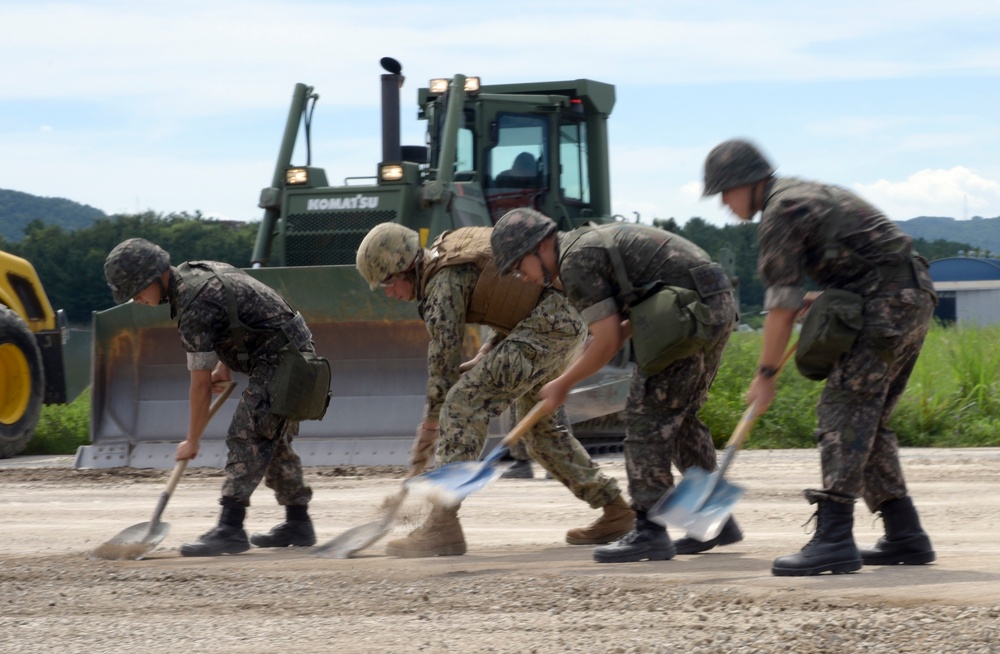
957, 192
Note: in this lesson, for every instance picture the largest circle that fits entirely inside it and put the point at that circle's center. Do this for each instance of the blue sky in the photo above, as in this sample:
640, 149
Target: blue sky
180, 105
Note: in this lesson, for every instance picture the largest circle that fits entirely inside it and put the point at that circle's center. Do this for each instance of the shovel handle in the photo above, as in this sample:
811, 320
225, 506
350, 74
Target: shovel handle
181, 465
750, 415
527, 422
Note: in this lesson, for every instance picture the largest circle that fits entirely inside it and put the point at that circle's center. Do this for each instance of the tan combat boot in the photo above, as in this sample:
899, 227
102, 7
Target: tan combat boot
440, 535
618, 519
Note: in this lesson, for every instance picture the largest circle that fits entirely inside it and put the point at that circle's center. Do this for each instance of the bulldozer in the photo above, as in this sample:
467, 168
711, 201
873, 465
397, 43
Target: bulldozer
489, 149
32, 336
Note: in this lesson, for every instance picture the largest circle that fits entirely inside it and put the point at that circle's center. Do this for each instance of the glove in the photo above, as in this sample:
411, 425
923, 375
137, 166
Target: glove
422, 452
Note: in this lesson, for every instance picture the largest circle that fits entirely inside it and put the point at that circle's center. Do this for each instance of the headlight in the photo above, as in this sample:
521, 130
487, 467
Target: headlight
296, 176
440, 85
390, 172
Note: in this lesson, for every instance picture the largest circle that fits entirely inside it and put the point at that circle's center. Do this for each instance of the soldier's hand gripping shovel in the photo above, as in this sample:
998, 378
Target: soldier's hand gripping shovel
702, 502
135, 542
452, 483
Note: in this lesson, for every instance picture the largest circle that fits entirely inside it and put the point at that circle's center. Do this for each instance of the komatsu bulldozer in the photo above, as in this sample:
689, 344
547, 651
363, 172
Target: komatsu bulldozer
489, 149
32, 336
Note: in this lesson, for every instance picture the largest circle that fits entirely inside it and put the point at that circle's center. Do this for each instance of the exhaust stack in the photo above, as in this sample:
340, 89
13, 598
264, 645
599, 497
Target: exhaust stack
391, 83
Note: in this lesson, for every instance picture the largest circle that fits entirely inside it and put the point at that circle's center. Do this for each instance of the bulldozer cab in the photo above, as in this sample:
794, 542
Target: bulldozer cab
469, 173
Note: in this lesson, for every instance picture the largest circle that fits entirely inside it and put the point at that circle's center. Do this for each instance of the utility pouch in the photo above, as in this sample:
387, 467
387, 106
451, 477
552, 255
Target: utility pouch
670, 325
300, 389
830, 328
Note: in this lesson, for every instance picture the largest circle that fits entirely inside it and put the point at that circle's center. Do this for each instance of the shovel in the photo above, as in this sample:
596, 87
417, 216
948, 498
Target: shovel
452, 483
702, 503
135, 542
364, 536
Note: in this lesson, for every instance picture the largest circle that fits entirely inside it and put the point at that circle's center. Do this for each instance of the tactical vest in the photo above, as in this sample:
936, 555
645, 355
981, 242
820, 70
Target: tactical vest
499, 301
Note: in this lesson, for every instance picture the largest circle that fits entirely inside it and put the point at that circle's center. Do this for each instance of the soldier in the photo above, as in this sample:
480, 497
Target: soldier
662, 421
843, 244
259, 442
455, 283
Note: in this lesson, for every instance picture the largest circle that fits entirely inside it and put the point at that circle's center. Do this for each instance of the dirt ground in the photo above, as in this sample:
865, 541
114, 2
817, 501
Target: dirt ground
519, 589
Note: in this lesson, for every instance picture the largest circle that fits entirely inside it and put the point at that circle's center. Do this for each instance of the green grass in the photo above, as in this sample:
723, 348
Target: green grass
62, 428
952, 400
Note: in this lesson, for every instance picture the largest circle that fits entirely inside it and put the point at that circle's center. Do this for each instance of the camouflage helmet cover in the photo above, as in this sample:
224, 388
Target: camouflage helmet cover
388, 249
133, 265
734, 163
517, 234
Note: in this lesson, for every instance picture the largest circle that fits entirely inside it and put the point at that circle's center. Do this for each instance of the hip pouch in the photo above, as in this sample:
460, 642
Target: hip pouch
670, 325
830, 328
300, 389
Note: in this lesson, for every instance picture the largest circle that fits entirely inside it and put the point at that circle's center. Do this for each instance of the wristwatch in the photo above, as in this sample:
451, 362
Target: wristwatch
767, 371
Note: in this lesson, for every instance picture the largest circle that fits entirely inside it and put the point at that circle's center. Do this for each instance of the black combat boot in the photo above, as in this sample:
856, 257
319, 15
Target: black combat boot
832, 547
227, 538
296, 530
905, 542
521, 469
730, 534
648, 541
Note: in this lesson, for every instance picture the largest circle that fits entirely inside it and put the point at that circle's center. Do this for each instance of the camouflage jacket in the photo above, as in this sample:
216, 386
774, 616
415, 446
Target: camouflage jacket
204, 323
826, 233
649, 254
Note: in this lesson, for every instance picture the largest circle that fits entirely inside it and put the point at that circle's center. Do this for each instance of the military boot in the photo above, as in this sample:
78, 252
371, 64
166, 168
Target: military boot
440, 535
227, 538
616, 521
905, 542
296, 530
730, 534
521, 469
832, 547
647, 541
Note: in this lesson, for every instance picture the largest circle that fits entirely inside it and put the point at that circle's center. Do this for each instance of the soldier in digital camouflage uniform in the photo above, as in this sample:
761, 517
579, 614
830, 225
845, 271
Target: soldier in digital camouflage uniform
839, 241
455, 283
662, 421
259, 442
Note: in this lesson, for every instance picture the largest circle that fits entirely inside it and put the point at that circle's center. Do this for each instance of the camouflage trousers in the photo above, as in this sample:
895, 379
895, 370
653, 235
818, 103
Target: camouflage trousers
858, 451
260, 447
662, 424
513, 373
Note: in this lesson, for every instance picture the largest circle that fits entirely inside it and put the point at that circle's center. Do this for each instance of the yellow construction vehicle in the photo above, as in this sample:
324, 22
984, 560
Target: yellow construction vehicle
32, 336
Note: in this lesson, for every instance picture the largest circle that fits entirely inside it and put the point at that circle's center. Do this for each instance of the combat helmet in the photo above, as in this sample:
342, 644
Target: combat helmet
133, 265
388, 249
734, 163
517, 234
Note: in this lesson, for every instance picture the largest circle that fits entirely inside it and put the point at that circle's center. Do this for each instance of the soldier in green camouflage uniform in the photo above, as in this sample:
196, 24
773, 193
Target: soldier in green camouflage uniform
259, 442
530, 343
841, 242
662, 422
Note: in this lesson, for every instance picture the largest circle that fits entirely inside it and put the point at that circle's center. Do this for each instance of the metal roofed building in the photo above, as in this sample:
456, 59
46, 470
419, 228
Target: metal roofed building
968, 289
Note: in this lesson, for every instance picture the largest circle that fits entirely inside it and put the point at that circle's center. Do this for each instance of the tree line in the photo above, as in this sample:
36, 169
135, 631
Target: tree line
70, 263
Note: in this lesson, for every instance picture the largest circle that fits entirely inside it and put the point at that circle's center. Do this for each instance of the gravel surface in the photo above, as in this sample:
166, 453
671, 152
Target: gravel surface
519, 589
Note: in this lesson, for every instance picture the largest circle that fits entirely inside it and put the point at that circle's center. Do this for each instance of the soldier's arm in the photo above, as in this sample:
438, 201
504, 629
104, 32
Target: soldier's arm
604, 342
444, 307
200, 397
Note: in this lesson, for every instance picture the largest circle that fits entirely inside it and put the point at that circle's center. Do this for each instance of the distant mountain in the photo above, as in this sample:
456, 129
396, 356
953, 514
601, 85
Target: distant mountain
18, 209
981, 233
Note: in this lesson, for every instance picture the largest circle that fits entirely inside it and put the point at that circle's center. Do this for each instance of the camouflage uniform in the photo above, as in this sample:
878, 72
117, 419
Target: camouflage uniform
513, 372
662, 409
859, 453
259, 442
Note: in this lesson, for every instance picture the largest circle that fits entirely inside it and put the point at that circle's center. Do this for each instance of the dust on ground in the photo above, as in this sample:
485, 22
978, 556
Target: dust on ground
519, 589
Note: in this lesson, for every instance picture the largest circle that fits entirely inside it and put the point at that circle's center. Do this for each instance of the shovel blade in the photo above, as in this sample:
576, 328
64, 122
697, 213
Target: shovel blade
132, 543
700, 505
452, 483
353, 540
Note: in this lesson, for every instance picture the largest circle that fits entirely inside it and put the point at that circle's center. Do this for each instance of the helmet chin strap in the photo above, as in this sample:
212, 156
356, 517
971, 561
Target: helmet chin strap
164, 297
